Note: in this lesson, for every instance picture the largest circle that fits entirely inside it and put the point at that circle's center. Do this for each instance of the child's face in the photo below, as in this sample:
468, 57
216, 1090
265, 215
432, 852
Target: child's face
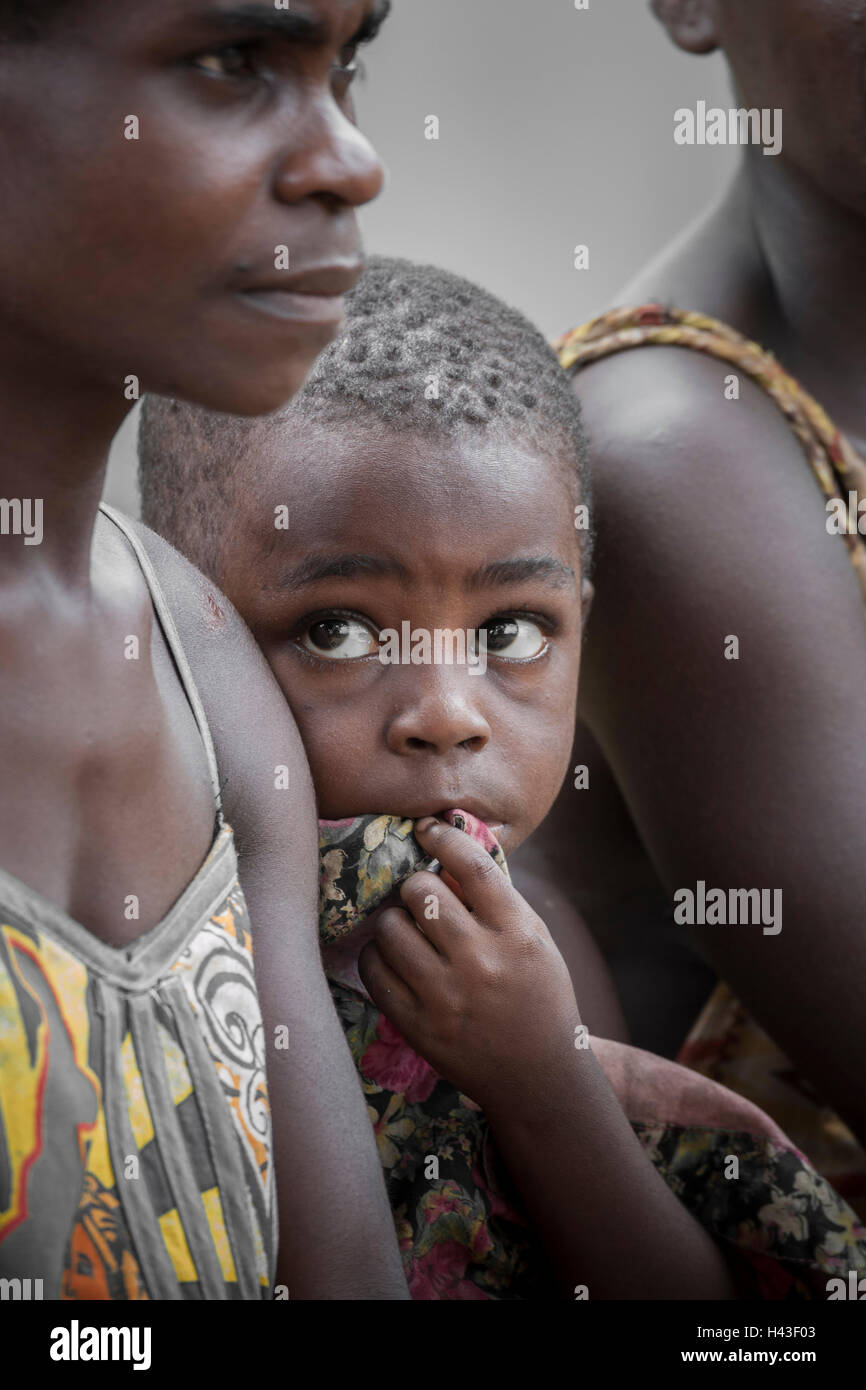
155, 158
386, 528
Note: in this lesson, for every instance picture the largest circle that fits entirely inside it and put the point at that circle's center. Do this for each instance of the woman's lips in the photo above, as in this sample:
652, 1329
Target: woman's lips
296, 306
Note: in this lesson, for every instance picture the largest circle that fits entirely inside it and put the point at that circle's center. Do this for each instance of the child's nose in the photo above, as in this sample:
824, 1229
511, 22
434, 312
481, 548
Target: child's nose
438, 722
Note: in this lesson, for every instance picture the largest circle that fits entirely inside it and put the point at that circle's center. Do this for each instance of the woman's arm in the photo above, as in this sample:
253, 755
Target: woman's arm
483, 994
337, 1237
747, 772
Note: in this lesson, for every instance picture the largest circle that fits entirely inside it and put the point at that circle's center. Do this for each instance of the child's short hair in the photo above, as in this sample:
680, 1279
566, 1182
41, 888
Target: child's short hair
421, 350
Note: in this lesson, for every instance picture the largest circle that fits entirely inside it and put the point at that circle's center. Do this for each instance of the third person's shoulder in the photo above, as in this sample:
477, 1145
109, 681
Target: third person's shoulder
677, 415
682, 442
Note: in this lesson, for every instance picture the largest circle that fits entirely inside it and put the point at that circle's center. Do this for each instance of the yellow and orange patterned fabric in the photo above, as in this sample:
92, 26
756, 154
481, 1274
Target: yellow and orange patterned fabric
135, 1131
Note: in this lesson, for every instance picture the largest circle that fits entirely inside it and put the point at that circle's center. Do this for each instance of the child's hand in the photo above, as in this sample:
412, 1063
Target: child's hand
483, 994
486, 998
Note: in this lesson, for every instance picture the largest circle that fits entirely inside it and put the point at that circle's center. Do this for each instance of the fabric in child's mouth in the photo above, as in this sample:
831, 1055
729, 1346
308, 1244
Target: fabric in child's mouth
363, 860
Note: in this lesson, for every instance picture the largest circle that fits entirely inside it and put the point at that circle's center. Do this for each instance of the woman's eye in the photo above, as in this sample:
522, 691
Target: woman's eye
518, 638
226, 62
339, 639
348, 64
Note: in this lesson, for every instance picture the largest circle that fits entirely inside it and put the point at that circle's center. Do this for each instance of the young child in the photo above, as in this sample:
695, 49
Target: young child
149, 170
429, 482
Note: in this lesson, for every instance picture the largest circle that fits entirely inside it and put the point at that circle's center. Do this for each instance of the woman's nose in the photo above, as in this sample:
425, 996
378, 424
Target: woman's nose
330, 160
438, 721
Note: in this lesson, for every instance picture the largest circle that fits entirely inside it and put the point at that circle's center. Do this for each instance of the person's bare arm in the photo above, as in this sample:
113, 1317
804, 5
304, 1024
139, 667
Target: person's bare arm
746, 773
337, 1238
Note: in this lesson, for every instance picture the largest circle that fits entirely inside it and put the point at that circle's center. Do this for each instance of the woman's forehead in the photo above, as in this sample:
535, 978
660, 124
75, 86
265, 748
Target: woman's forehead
305, 21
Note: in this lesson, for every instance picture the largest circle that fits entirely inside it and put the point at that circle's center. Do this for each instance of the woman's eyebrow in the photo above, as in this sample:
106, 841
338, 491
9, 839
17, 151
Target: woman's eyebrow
293, 25
522, 568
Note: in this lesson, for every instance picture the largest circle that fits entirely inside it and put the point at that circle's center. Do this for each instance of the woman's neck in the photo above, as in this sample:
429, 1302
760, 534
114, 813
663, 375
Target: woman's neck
56, 431
786, 266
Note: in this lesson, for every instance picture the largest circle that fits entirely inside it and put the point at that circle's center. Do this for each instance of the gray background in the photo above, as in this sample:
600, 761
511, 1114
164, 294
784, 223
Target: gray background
556, 128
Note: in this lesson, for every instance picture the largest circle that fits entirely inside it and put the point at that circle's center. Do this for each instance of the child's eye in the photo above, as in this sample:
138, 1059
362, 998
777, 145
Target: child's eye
339, 639
235, 60
518, 638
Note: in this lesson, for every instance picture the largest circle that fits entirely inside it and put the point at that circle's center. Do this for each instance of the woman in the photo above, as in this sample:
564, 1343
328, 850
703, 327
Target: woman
741, 763
157, 162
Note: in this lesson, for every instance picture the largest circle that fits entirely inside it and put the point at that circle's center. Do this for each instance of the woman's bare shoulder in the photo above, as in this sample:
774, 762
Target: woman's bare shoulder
692, 458
679, 413
239, 694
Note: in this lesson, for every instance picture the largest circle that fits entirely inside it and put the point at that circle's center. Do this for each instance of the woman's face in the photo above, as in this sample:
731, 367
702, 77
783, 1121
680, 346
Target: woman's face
805, 57
155, 158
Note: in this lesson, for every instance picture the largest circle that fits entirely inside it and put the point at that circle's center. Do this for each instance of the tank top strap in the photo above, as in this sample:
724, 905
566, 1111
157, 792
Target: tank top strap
837, 467
172, 637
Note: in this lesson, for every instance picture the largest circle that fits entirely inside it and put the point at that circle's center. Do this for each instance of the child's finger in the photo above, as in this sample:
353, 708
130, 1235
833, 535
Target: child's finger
438, 912
485, 888
408, 953
387, 990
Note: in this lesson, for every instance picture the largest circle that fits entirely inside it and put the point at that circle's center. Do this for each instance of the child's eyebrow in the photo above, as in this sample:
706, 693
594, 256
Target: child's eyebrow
292, 25
522, 568
497, 574
316, 567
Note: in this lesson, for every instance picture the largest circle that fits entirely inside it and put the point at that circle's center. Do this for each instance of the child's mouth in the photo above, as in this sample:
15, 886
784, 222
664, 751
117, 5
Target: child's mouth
368, 856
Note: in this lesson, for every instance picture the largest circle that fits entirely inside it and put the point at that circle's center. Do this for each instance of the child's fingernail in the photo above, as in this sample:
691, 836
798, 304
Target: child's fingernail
425, 823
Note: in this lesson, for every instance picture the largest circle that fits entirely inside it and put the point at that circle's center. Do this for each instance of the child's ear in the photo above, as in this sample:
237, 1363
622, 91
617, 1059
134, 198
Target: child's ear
692, 24
587, 594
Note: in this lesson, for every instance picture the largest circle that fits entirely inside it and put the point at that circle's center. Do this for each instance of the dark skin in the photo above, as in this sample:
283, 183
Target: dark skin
710, 523
105, 790
387, 528
361, 484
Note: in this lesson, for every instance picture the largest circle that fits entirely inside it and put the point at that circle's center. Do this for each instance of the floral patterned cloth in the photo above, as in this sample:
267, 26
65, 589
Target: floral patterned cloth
725, 1043
366, 858
460, 1223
